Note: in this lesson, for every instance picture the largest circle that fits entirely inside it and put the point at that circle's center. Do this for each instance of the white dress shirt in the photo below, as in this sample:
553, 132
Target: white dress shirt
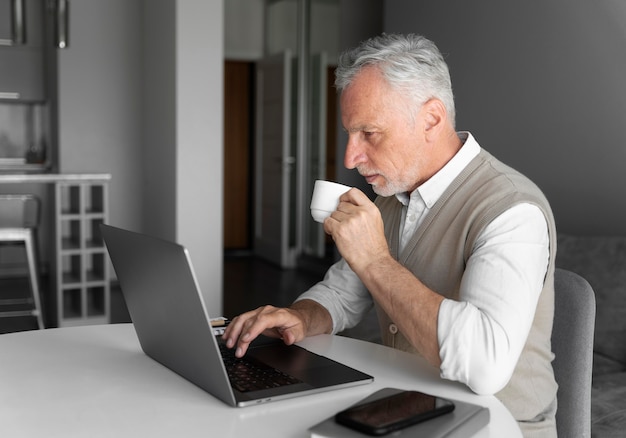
482, 335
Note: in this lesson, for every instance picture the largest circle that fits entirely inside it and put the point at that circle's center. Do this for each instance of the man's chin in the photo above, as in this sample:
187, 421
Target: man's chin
383, 191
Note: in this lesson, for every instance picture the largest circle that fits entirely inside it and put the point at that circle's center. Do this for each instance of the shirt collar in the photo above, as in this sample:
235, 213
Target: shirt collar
432, 189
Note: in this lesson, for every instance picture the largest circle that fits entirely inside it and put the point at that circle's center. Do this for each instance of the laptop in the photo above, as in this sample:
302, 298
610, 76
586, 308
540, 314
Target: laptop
174, 328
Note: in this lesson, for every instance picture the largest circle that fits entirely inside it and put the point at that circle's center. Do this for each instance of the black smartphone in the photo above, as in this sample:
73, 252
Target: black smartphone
394, 412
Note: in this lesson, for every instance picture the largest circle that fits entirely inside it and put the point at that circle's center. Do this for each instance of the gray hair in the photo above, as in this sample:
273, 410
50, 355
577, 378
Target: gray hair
411, 64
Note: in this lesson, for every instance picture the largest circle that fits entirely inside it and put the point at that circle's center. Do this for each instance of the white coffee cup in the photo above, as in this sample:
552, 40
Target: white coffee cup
326, 198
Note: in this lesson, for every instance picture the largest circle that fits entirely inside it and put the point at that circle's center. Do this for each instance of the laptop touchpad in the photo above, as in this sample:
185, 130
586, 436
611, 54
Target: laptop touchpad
288, 358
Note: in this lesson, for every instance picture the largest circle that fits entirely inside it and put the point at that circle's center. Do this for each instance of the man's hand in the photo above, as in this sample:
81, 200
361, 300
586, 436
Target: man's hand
293, 324
358, 230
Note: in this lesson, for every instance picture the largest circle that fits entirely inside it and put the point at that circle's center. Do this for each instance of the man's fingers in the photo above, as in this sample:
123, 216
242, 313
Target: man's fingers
267, 320
236, 329
354, 196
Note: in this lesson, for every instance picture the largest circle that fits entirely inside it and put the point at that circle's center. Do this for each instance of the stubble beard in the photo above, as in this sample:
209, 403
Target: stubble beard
385, 190
392, 187
388, 187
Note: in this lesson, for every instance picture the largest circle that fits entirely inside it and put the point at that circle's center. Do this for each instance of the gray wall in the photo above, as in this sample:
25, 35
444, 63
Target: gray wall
140, 97
541, 85
100, 111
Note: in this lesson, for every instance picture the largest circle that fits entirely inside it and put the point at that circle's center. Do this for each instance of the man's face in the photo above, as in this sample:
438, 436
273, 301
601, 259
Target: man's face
384, 142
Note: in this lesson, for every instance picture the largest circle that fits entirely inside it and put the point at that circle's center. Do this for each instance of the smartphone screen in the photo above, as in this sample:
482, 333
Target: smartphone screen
394, 412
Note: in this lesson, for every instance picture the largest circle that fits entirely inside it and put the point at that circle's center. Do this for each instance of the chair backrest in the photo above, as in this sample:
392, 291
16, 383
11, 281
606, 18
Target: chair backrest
19, 211
572, 344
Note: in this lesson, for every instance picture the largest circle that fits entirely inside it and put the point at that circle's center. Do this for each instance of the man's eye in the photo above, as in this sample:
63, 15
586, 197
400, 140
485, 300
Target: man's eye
368, 133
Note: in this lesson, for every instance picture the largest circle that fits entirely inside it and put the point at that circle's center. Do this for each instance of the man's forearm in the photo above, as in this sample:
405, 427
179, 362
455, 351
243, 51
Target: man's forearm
412, 306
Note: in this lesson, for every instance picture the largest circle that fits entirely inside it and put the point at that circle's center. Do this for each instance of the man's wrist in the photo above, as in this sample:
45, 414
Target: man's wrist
315, 318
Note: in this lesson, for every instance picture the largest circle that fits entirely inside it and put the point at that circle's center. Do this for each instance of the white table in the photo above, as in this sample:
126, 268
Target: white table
95, 381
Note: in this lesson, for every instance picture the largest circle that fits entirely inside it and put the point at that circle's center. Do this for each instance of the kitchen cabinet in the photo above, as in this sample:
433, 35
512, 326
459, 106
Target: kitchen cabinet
22, 66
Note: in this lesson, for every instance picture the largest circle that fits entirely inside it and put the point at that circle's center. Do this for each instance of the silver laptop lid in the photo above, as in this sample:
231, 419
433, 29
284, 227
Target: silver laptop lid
167, 309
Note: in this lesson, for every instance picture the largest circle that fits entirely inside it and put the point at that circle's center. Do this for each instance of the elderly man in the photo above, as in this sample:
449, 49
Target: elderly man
457, 252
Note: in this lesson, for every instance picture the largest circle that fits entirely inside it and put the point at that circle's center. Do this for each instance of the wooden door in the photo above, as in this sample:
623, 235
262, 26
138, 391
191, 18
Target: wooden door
237, 154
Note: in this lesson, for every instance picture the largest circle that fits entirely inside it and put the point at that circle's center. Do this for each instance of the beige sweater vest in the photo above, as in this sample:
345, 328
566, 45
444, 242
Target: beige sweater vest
438, 252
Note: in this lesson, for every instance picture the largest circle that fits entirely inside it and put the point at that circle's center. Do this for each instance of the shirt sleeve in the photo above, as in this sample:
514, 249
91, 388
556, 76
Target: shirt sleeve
482, 335
343, 294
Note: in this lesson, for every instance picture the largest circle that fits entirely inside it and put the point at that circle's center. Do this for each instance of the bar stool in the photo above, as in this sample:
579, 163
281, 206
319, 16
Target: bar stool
19, 218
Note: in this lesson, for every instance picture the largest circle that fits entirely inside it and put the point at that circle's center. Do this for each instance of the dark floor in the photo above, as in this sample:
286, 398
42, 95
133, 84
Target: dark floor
19, 288
248, 283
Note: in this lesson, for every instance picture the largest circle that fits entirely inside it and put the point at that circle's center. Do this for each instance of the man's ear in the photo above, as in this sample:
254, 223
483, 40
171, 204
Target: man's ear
435, 116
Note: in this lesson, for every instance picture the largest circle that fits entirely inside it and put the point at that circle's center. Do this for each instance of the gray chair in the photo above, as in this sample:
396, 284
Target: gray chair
19, 218
572, 343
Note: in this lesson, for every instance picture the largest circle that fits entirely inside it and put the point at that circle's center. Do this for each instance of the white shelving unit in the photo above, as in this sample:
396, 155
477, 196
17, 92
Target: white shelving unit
82, 262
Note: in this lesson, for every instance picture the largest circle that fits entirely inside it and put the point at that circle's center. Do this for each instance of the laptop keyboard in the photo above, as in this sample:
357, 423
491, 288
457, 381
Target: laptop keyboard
246, 374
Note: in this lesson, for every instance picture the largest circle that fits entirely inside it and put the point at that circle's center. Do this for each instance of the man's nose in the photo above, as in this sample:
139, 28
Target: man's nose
355, 154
